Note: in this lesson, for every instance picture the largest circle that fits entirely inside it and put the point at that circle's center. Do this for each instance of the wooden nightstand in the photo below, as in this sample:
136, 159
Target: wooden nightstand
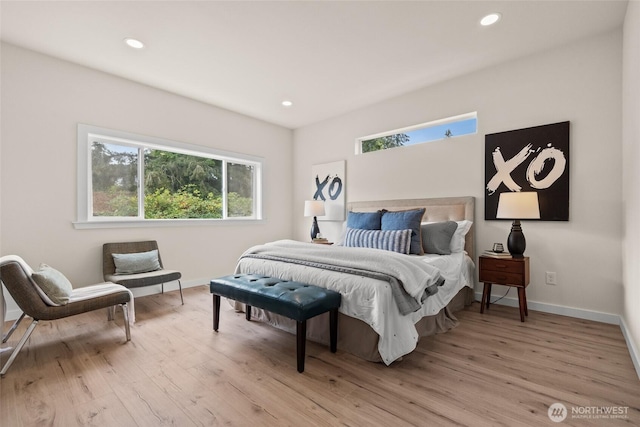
507, 272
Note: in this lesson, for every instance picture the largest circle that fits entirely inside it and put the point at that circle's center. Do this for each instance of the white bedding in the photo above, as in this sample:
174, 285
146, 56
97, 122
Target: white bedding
457, 269
371, 301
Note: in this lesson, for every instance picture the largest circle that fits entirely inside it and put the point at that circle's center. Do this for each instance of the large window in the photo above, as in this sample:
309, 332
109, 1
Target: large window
124, 178
450, 127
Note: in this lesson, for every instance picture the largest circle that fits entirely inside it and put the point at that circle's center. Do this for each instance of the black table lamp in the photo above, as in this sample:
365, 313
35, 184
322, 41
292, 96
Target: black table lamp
516, 206
314, 208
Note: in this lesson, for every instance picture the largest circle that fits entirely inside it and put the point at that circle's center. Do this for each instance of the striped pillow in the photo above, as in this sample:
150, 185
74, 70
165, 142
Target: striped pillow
388, 240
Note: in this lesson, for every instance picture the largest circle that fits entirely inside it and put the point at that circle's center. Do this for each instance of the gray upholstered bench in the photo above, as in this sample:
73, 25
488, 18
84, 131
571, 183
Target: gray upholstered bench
295, 300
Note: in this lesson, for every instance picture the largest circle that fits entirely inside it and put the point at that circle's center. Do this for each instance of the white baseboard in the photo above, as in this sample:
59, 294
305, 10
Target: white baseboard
614, 319
578, 313
168, 287
633, 349
13, 312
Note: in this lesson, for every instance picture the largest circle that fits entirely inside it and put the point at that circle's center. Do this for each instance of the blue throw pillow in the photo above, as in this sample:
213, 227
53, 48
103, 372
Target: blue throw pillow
389, 240
364, 220
403, 220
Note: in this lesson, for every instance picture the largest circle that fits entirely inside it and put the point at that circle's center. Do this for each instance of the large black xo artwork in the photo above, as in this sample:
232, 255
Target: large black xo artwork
531, 159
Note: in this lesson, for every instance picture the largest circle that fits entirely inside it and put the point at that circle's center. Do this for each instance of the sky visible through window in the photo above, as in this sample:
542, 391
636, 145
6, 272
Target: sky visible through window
434, 133
452, 127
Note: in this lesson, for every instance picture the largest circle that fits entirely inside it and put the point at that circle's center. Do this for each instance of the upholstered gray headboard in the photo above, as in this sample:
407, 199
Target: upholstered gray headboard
437, 209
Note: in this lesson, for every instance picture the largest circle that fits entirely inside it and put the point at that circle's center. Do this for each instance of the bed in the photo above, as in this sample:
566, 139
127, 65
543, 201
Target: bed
371, 325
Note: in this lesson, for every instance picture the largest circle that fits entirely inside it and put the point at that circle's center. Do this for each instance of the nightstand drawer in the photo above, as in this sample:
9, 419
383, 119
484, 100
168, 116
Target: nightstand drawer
501, 277
501, 265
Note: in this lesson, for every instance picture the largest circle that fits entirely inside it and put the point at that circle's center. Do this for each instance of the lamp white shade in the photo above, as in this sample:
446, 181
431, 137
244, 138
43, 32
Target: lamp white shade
518, 205
313, 208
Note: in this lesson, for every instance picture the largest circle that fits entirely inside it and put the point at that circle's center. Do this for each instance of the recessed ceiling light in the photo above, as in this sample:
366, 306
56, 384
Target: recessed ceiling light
490, 19
287, 103
134, 43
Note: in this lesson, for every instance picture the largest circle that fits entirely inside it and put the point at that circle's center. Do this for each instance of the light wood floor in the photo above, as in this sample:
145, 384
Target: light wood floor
490, 370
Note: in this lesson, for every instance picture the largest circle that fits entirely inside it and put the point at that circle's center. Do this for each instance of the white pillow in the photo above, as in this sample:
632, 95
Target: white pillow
458, 238
343, 233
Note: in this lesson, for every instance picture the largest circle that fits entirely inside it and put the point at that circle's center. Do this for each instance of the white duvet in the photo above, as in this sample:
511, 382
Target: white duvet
371, 301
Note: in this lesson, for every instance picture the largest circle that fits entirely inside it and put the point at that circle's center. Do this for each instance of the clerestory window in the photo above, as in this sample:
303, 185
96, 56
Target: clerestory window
450, 127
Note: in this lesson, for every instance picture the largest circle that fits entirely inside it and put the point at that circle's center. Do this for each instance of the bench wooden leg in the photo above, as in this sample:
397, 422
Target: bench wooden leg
301, 338
247, 311
216, 312
333, 329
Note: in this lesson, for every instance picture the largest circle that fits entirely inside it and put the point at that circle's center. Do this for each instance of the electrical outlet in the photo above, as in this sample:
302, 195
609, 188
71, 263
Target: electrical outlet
551, 278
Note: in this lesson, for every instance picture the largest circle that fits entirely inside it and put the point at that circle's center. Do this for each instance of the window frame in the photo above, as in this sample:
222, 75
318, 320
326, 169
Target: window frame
85, 219
433, 123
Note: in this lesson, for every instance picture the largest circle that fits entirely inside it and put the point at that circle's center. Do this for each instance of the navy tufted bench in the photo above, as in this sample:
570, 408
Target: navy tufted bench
295, 300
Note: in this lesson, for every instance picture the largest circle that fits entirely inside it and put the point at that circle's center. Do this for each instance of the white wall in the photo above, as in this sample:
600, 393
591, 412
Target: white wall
631, 173
44, 98
581, 83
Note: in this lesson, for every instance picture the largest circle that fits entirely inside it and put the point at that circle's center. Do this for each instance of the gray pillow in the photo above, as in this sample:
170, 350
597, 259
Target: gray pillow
139, 262
53, 283
436, 237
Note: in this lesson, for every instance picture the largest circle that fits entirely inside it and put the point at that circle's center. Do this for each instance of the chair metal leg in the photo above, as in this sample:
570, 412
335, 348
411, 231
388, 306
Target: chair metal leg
13, 328
125, 313
16, 350
179, 286
111, 313
162, 288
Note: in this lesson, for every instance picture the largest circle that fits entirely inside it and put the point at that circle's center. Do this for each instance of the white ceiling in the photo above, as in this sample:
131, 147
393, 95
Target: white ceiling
326, 57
